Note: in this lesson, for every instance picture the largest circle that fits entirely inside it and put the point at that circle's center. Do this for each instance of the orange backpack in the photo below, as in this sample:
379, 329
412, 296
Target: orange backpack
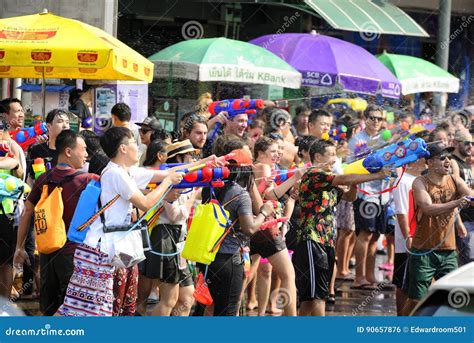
50, 230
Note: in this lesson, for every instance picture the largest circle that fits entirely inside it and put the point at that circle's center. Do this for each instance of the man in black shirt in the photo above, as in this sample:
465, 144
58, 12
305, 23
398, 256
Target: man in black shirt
56, 121
462, 149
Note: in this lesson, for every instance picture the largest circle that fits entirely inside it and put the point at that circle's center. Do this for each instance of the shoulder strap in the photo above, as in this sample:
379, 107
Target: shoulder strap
100, 213
65, 179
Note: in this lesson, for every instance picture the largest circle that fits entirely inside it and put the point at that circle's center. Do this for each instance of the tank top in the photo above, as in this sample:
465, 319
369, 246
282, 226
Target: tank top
467, 214
437, 232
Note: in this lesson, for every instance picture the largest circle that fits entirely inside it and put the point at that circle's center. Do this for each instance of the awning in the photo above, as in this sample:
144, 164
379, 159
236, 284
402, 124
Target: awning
28, 87
371, 16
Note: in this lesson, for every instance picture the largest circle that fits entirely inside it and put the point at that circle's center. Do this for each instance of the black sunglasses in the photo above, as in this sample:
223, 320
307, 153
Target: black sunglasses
375, 118
444, 157
466, 142
144, 131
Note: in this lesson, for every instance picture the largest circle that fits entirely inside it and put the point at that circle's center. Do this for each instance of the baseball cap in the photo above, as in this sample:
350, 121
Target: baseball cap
438, 149
151, 122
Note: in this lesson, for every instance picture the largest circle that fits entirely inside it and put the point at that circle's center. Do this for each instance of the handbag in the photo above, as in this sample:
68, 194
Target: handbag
208, 226
125, 243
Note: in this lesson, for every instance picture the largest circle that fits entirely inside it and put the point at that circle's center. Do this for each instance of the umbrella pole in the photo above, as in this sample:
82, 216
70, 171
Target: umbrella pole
170, 80
43, 95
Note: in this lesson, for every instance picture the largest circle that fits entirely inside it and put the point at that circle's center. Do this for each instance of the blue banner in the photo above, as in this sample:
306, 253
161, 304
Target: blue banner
238, 330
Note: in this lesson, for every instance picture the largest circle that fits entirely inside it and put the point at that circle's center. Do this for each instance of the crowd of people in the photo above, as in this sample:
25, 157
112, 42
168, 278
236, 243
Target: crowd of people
334, 220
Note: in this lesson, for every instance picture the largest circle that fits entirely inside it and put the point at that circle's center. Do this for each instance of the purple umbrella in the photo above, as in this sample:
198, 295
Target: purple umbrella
326, 62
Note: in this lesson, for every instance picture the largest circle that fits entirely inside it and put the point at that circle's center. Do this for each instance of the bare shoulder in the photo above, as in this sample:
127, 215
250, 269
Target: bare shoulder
261, 169
419, 183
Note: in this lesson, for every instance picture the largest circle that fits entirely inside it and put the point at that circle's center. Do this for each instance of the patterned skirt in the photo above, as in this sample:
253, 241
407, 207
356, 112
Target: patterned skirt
90, 289
345, 216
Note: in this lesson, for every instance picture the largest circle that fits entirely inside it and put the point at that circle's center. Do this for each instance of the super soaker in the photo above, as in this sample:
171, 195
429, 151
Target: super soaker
27, 136
394, 155
234, 107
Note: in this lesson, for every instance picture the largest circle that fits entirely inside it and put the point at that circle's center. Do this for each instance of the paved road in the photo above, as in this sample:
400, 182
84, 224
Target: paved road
349, 302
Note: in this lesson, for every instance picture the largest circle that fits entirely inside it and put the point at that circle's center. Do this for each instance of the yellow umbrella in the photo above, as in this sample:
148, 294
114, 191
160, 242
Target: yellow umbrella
47, 46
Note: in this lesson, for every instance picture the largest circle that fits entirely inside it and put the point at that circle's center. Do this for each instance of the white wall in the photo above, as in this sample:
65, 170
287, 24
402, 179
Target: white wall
100, 13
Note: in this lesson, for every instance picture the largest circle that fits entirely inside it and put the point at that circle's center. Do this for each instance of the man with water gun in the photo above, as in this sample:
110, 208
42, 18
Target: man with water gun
319, 194
14, 114
234, 115
439, 198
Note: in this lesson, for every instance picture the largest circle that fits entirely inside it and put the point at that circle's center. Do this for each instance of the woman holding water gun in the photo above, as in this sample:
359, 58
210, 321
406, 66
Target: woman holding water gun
164, 265
240, 198
269, 243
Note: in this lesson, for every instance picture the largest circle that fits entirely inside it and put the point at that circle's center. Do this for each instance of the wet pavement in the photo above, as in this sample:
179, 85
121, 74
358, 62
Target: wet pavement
349, 302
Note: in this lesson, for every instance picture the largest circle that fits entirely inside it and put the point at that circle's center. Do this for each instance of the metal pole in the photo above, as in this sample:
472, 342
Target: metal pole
442, 48
5, 88
16, 93
43, 94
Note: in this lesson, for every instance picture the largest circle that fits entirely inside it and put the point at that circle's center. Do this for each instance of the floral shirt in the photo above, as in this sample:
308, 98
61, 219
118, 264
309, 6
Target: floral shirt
318, 199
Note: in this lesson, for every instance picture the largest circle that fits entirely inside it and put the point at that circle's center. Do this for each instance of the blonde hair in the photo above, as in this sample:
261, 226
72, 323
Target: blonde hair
203, 102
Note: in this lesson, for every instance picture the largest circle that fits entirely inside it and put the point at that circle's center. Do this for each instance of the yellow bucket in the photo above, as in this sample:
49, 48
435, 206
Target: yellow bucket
208, 225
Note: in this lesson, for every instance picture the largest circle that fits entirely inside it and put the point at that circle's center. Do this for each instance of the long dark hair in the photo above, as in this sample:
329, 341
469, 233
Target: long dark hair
152, 150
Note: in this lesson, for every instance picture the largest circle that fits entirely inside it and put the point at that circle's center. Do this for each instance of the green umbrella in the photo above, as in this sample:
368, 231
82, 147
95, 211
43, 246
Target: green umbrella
226, 60
417, 75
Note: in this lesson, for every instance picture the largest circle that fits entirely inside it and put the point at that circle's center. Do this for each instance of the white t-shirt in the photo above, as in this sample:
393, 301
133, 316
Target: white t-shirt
337, 167
115, 180
401, 205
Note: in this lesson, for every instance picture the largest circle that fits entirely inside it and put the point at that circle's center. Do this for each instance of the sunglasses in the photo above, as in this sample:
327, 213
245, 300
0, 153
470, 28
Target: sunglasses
466, 142
372, 118
444, 157
144, 131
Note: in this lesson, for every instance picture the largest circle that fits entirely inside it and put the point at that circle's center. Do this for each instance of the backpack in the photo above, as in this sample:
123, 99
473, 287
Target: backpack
87, 211
50, 230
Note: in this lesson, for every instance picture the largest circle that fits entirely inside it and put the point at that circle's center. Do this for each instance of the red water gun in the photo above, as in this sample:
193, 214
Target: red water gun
283, 175
27, 136
5, 150
271, 223
204, 177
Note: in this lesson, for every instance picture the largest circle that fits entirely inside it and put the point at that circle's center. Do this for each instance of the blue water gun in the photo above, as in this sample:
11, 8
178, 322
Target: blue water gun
394, 155
234, 107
